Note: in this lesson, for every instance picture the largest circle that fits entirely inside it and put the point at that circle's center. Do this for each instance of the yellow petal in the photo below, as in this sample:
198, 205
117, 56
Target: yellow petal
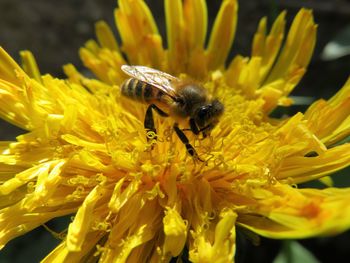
248, 80
130, 231
8, 68
297, 51
118, 199
222, 34
233, 72
268, 46
298, 169
176, 37
141, 40
14, 107
196, 17
175, 230
105, 36
215, 245
62, 254
297, 139
47, 182
330, 120
196, 20
80, 227
104, 63
16, 220
30, 66
299, 213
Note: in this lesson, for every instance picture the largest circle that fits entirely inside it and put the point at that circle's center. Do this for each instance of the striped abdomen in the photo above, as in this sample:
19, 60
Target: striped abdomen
141, 91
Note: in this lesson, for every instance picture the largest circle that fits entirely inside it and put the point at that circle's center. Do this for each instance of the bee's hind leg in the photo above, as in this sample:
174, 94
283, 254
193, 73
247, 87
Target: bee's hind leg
149, 121
185, 141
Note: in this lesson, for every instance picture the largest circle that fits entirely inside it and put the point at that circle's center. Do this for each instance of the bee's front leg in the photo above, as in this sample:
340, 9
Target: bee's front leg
185, 141
194, 128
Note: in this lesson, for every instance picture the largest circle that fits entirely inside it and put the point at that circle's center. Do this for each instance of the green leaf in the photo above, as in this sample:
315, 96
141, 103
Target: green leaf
339, 46
293, 252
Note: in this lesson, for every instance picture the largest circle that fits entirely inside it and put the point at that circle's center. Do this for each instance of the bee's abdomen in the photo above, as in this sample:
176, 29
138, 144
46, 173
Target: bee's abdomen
138, 90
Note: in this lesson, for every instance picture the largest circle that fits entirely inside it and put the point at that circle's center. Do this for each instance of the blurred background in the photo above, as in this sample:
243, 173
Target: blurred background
54, 31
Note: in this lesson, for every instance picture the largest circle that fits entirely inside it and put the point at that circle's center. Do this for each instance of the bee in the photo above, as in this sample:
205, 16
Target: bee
171, 96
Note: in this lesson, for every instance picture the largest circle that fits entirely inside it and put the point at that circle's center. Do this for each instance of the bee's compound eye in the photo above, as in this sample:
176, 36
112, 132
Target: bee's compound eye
203, 116
203, 112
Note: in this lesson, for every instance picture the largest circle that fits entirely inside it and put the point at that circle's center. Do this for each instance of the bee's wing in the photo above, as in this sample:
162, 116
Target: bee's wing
156, 78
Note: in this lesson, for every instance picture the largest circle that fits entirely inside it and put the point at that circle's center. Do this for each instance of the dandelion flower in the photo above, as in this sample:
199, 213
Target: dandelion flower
85, 152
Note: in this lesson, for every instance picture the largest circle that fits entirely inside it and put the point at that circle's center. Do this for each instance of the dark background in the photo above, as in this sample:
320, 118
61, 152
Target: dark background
54, 31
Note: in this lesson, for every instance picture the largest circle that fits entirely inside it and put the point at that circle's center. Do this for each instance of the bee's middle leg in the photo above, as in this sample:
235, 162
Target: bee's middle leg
193, 127
185, 141
149, 120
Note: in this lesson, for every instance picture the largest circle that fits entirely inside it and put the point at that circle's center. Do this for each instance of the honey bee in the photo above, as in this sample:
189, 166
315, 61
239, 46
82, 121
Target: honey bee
171, 96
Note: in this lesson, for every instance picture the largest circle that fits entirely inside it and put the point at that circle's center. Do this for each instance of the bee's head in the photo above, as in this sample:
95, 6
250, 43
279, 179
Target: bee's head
207, 115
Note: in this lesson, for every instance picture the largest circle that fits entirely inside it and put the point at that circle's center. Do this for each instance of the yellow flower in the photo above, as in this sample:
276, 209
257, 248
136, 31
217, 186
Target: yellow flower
86, 153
